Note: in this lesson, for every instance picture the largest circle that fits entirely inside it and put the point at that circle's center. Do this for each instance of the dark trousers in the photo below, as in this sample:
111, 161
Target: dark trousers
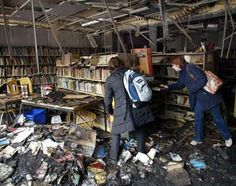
217, 117
115, 144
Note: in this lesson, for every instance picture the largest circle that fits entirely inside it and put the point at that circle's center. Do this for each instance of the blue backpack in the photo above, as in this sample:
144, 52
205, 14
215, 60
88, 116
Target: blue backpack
136, 87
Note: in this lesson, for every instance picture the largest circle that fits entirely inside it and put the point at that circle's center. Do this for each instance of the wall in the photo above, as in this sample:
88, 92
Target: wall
20, 36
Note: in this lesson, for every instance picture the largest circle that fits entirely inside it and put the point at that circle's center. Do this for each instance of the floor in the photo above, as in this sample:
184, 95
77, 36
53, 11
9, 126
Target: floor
219, 162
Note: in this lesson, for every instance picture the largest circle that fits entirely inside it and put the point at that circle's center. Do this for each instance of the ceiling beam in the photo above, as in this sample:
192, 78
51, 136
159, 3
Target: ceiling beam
35, 37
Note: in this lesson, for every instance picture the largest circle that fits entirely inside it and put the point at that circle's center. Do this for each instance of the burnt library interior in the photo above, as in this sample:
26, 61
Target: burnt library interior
113, 93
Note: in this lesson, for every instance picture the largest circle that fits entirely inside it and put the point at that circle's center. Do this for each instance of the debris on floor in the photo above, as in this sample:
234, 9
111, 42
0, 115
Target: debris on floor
63, 154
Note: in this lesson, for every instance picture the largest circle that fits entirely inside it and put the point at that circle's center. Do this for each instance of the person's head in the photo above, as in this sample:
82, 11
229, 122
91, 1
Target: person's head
177, 63
115, 63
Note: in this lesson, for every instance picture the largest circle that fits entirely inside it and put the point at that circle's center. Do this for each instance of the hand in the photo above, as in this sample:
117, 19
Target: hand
164, 86
159, 89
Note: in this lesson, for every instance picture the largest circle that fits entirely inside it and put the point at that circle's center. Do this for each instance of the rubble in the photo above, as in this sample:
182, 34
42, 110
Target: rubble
5, 171
71, 155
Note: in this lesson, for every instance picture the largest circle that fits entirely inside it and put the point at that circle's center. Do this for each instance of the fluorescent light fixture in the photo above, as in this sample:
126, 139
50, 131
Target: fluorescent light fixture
212, 25
114, 6
48, 10
101, 19
200, 25
86, 57
115, 17
144, 32
61, 3
90, 23
119, 16
195, 26
9, 24
139, 10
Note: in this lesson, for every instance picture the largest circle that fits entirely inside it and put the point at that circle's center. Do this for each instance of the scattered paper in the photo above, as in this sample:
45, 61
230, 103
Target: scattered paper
21, 136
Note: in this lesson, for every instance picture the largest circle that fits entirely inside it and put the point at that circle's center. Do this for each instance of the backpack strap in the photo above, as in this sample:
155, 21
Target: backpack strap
126, 98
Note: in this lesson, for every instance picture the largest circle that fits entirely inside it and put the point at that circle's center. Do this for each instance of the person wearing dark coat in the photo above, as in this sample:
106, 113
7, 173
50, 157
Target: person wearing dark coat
200, 100
126, 118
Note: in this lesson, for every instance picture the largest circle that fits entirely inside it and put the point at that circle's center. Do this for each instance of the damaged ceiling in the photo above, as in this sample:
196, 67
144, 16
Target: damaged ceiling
92, 16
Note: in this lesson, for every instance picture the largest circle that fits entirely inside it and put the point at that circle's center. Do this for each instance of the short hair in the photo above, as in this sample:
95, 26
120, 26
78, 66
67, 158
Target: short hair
178, 60
115, 63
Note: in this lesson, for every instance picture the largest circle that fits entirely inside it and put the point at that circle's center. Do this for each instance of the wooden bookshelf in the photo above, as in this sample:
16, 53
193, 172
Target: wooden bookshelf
172, 103
83, 78
88, 75
24, 64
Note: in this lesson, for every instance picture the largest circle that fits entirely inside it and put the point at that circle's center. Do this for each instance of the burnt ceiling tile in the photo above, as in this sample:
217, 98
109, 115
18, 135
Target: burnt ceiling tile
14, 3
25, 15
66, 8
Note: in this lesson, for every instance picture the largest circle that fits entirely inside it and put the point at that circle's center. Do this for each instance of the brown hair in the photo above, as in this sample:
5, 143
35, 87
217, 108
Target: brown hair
178, 60
115, 63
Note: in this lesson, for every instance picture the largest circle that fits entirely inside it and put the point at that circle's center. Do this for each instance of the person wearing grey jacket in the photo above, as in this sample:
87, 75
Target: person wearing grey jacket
126, 118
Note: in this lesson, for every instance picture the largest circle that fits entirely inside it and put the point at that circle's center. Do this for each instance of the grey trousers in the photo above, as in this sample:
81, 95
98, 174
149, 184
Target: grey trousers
115, 144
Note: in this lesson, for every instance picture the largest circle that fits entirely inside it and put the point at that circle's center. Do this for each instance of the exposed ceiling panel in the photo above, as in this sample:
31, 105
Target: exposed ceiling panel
87, 12
14, 3
66, 9
51, 1
47, 4
87, 15
25, 15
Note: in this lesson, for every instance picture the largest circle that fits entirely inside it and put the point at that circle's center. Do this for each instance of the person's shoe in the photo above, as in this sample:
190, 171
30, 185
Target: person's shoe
229, 142
194, 142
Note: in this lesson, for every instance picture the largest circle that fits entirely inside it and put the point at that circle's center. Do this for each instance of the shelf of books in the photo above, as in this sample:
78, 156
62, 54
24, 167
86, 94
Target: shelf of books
23, 63
85, 74
175, 104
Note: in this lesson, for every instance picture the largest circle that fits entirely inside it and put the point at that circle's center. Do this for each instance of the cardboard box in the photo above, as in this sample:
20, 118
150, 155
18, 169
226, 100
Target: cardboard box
131, 61
71, 58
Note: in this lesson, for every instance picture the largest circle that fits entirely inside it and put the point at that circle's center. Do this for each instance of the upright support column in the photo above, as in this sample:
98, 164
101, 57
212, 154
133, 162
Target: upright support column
165, 30
35, 37
224, 34
153, 37
6, 29
116, 30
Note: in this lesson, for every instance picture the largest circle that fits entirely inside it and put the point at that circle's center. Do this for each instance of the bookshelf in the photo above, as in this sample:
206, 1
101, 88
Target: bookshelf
174, 104
23, 64
89, 74
84, 77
